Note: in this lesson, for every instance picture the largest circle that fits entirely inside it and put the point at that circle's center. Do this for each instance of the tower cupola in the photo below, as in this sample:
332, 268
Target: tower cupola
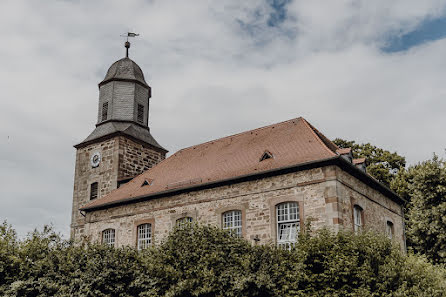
124, 97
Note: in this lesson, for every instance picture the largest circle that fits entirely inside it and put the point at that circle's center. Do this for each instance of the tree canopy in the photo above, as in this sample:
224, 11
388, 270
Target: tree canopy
381, 164
206, 261
424, 185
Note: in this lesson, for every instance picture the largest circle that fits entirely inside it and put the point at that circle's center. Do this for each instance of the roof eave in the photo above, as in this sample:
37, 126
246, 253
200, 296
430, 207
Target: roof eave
337, 160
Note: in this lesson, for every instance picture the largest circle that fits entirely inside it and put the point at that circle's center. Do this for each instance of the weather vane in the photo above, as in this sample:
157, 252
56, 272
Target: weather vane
127, 43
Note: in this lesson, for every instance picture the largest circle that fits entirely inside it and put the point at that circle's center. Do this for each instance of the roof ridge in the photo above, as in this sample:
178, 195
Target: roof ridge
319, 136
238, 134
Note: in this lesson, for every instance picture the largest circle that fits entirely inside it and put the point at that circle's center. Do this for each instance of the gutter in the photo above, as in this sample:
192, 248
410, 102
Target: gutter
336, 160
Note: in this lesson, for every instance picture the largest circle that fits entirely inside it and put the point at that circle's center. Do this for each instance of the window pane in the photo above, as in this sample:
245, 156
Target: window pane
108, 237
288, 224
94, 191
184, 221
232, 220
357, 218
144, 236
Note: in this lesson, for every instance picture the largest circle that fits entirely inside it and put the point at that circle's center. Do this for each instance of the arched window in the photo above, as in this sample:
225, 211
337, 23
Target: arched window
357, 218
144, 236
183, 221
389, 229
232, 221
108, 237
288, 223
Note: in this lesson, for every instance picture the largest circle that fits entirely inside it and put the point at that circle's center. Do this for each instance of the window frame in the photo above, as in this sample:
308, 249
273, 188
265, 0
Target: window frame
390, 231
108, 237
181, 222
91, 190
145, 242
232, 217
358, 218
287, 221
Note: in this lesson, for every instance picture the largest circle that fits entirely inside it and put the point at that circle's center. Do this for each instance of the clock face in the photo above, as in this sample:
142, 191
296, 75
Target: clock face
95, 159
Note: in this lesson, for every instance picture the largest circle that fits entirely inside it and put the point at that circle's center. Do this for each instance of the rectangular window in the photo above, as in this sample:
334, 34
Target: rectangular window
357, 218
144, 236
288, 224
232, 221
389, 229
104, 111
108, 237
94, 191
140, 117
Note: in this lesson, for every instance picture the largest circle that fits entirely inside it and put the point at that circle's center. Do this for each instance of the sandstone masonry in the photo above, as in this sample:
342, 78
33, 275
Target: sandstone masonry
326, 197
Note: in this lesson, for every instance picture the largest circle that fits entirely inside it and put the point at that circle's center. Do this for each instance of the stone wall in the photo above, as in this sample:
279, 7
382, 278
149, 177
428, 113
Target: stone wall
321, 194
135, 158
105, 175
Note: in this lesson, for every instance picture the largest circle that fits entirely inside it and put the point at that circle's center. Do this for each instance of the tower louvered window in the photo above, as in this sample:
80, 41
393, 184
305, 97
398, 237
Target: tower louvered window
140, 117
104, 111
94, 191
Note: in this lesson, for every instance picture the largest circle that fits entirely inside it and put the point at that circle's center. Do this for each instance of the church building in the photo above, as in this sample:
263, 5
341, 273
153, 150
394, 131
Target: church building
264, 185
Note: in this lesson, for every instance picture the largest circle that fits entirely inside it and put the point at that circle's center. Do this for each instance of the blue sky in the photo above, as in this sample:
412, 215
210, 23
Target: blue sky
369, 71
427, 31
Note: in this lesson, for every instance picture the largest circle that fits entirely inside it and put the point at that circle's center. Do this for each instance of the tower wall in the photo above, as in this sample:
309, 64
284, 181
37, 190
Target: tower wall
121, 159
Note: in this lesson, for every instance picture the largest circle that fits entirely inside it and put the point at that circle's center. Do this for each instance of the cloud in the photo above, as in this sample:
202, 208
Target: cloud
216, 68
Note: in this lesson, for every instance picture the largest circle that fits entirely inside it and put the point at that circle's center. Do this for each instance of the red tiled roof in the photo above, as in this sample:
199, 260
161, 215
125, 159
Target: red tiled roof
343, 151
289, 143
358, 161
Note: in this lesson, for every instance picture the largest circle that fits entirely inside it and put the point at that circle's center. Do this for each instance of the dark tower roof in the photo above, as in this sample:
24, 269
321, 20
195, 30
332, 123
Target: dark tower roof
125, 70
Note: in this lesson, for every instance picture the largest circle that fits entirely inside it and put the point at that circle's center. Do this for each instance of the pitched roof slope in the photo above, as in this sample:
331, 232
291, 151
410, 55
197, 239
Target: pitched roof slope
290, 143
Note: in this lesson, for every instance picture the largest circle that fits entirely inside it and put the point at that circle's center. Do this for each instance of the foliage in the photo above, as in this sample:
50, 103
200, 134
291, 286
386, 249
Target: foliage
424, 185
381, 164
206, 261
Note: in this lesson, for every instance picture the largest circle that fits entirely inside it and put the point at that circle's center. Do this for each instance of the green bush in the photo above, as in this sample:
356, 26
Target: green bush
206, 261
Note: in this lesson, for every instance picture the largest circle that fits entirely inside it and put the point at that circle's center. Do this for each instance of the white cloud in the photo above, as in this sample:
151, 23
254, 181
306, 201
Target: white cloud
211, 76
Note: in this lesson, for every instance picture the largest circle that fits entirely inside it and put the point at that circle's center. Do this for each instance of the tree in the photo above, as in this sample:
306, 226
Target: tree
424, 185
381, 164
206, 261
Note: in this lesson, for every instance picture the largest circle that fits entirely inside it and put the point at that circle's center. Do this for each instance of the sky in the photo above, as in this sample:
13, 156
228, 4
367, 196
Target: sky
369, 71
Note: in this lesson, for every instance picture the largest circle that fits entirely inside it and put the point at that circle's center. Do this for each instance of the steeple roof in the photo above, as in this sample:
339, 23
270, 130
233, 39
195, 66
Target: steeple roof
125, 70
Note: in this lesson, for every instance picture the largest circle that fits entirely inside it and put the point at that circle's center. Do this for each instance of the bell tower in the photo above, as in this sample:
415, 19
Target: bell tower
121, 146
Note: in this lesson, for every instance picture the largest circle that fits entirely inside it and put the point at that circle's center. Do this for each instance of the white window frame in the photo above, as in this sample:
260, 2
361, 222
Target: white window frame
358, 223
183, 221
109, 237
143, 236
288, 224
232, 220
389, 229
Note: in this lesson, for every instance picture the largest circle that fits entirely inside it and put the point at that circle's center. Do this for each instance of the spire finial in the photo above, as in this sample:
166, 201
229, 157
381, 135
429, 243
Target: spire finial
127, 43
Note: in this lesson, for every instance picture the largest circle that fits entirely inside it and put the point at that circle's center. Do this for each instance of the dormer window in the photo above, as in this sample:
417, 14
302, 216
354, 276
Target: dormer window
104, 111
147, 182
140, 117
266, 155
